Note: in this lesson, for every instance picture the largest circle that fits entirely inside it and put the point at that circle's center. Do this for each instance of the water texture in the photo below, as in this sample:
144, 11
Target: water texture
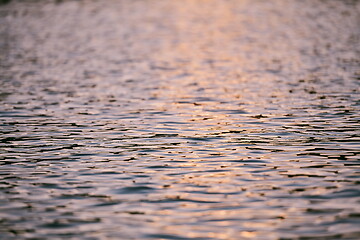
180, 119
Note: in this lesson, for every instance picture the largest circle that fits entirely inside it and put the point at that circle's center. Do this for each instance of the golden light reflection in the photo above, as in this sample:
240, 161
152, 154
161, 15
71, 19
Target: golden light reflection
216, 69
247, 234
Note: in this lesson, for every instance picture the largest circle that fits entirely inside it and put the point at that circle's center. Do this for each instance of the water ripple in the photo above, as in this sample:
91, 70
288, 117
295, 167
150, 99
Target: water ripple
179, 120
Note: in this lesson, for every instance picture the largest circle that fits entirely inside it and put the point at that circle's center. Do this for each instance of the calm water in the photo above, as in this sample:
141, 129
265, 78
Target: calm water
180, 119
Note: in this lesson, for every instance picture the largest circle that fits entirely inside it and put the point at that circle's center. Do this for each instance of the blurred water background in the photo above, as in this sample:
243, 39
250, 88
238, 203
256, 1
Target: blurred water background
179, 119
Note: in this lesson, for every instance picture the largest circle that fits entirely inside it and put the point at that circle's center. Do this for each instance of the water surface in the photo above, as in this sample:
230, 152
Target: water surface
179, 119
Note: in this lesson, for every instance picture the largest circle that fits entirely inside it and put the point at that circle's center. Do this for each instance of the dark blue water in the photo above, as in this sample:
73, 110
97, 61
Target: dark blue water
179, 119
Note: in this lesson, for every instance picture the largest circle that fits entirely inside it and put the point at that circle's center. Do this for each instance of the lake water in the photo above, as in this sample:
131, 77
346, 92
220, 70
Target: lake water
180, 119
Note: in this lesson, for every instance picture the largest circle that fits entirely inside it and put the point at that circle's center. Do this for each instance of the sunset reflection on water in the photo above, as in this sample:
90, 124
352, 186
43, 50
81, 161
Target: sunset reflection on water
179, 119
